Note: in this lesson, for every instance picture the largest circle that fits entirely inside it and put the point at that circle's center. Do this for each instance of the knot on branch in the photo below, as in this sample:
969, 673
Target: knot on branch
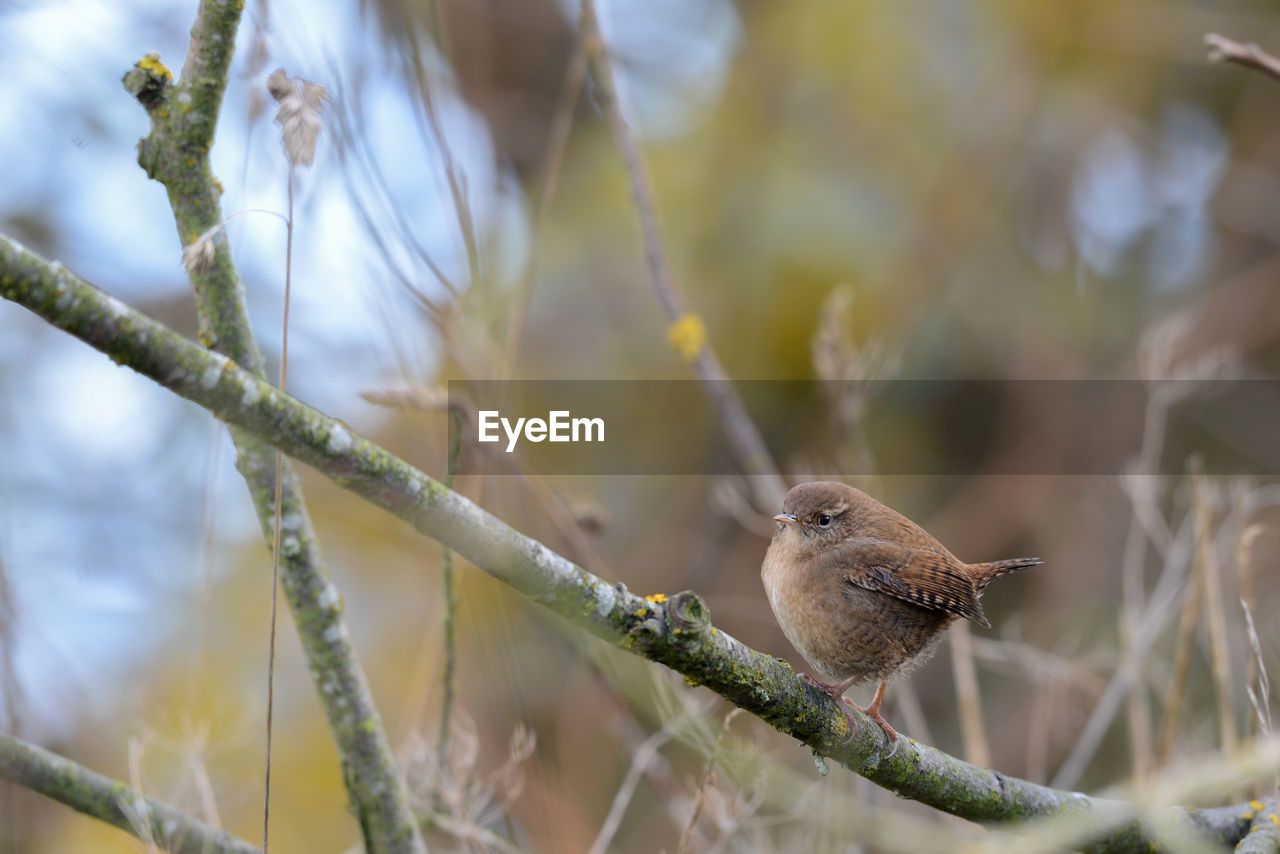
688, 613
149, 81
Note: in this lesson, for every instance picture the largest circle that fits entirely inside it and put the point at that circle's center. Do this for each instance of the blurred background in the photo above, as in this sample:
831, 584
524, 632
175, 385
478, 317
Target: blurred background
848, 192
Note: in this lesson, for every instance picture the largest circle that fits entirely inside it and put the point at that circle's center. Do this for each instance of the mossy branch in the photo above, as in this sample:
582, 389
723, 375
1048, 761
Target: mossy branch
1264, 829
184, 116
108, 800
675, 631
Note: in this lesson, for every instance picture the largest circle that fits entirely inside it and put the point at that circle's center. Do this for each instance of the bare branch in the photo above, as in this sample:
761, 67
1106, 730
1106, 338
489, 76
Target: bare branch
686, 332
176, 153
91, 793
1223, 49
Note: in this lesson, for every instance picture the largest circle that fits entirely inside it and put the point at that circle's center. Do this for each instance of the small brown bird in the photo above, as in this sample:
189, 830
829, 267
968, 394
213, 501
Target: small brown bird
863, 592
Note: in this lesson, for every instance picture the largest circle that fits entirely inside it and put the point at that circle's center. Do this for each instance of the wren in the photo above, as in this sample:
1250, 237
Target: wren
865, 593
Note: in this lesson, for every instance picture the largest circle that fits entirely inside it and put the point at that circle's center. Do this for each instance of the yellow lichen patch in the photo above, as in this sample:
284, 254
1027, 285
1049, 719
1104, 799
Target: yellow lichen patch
657, 598
1275, 819
151, 63
687, 335
1255, 805
1246, 815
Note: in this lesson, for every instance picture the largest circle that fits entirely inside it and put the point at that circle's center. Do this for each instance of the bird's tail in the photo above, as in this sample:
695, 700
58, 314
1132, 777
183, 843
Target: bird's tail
984, 573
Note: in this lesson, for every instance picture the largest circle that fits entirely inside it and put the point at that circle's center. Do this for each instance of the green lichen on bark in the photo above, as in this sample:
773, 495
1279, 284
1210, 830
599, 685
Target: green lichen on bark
111, 801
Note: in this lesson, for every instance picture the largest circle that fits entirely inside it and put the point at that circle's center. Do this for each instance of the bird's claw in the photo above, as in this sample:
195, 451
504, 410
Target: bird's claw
821, 686
875, 715
871, 711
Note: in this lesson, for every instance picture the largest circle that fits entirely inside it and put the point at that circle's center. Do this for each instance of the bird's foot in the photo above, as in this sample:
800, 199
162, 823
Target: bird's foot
829, 690
873, 712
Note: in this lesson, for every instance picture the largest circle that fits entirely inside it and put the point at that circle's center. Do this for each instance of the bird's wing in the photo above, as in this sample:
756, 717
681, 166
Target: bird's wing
923, 577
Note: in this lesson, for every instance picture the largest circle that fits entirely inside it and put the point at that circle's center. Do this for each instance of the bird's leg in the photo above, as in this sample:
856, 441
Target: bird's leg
872, 711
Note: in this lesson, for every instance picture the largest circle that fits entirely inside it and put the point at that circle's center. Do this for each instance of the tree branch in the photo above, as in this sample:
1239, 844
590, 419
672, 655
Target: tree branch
1223, 49
674, 631
176, 153
111, 801
1264, 829
745, 441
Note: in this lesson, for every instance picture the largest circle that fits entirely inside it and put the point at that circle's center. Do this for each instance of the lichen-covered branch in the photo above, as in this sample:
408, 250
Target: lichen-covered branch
111, 801
674, 631
184, 116
1264, 829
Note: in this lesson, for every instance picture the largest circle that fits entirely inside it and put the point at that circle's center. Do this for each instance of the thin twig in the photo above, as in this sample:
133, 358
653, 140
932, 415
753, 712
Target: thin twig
1141, 483
745, 442
453, 175
687, 837
1181, 667
450, 594
1215, 615
1222, 49
470, 832
558, 139
1158, 611
275, 541
10, 690
1255, 673
968, 699
640, 762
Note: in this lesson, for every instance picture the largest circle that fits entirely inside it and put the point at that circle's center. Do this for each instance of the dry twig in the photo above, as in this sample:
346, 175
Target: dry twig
1222, 49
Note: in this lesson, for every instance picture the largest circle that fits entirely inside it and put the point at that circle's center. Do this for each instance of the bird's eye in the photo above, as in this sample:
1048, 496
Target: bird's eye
824, 520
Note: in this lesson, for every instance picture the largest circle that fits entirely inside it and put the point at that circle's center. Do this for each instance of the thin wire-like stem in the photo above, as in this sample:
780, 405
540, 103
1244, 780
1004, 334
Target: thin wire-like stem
686, 838
640, 762
450, 595
561, 124
745, 441
275, 543
1181, 667
10, 690
1215, 617
968, 698
1135, 617
454, 177
1132, 575
208, 548
1133, 655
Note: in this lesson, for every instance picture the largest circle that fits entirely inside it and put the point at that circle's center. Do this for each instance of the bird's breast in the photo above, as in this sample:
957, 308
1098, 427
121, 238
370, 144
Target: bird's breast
843, 630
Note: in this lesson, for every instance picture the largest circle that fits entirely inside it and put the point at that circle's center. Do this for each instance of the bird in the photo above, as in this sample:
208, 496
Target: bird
862, 592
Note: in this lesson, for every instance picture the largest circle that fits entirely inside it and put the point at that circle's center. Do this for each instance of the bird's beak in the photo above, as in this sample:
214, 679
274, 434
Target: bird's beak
786, 519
